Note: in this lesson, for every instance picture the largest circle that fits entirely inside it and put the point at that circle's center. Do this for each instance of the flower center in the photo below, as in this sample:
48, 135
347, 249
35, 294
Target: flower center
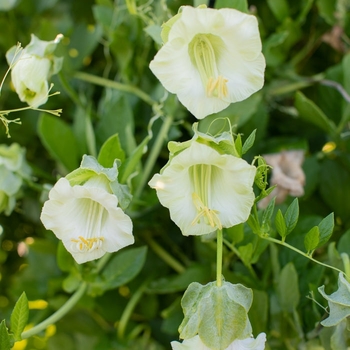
204, 50
93, 217
202, 176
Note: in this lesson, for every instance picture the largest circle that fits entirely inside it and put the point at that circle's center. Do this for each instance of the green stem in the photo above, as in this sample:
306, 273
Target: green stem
346, 263
219, 249
58, 314
114, 85
69, 90
164, 255
153, 155
67, 306
303, 254
129, 309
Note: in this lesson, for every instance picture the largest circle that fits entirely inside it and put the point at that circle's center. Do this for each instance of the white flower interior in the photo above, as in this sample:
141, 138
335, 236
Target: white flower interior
204, 50
94, 215
201, 176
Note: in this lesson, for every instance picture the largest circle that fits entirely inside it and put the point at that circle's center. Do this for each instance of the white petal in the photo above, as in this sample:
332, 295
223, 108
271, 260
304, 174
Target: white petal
249, 343
31, 73
189, 344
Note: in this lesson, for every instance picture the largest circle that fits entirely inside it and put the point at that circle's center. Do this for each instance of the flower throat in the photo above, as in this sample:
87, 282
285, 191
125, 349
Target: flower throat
202, 176
203, 50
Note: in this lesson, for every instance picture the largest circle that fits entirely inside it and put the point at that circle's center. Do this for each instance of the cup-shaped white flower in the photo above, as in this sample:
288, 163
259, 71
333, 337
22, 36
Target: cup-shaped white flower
238, 344
205, 190
13, 169
83, 212
32, 67
210, 58
29, 78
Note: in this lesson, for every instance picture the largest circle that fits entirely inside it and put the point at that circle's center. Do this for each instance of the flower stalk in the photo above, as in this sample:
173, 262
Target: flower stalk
90, 78
219, 247
58, 314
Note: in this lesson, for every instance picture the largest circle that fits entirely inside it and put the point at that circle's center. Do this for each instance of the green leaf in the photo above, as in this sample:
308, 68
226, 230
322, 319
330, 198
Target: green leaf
179, 282
238, 144
5, 343
327, 9
72, 282
124, 266
120, 122
65, 260
280, 224
291, 216
249, 142
110, 151
154, 30
335, 189
19, 316
131, 163
197, 3
254, 224
58, 139
217, 314
312, 239
279, 8
288, 288
326, 227
313, 114
266, 216
246, 253
240, 5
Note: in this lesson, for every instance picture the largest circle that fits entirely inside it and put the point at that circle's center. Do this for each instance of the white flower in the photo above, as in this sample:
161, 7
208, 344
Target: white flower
32, 67
287, 174
238, 344
29, 78
86, 216
210, 59
205, 190
13, 169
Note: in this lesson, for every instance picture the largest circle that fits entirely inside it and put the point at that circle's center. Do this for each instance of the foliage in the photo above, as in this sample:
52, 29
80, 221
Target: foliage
114, 108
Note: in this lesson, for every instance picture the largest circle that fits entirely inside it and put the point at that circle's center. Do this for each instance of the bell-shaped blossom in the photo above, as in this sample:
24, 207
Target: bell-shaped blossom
205, 189
84, 211
287, 174
210, 58
32, 67
13, 170
238, 344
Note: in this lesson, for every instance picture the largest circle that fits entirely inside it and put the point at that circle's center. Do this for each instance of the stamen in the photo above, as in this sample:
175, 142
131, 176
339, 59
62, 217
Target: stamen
83, 244
210, 216
217, 87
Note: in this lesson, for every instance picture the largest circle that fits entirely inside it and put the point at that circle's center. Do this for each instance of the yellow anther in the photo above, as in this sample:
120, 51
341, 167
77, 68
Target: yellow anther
86, 244
203, 211
217, 87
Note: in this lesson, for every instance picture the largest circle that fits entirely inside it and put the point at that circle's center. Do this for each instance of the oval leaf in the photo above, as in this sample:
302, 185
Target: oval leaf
19, 316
